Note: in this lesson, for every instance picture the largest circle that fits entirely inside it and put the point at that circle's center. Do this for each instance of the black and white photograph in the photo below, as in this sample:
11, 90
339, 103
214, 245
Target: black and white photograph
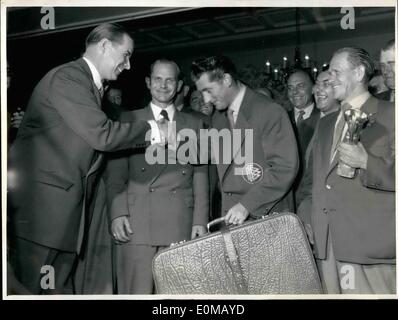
208, 150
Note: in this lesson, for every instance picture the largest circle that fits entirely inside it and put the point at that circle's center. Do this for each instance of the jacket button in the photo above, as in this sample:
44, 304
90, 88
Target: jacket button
325, 210
183, 172
142, 169
229, 193
328, 186
151, 190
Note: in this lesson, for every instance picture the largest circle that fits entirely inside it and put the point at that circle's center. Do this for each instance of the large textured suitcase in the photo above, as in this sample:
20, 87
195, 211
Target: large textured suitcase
266, 256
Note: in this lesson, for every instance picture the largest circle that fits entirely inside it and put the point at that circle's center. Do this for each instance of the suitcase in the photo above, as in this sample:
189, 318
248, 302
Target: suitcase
266, 256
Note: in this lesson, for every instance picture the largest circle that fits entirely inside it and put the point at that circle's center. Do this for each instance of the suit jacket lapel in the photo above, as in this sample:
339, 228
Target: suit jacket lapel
326, 131
86, 68
220, 122
370, 107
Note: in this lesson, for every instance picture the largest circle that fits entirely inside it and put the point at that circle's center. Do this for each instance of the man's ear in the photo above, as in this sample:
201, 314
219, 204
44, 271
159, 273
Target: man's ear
360, 73
179, 85
103, 44
227, 79
185, 90
148, 82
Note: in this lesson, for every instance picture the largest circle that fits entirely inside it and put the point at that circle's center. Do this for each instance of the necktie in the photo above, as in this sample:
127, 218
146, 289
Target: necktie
338, 131
300, 118
165, 115
231, 120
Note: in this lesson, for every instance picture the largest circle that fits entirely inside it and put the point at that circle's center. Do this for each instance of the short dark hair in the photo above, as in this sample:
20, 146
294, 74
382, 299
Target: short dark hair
112, 31
389, 45
359, 57
167, 61
215, 66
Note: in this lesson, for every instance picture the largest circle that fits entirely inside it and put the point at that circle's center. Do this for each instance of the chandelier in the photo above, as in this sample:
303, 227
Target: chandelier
278, 72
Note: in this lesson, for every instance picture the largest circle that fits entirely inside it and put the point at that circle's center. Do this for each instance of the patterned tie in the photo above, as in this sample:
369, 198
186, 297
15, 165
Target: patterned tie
165, 115
300, 118
338, 131
231, 119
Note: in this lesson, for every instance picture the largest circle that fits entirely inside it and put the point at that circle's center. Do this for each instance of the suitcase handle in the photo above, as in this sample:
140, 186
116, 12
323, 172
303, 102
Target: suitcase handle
215, 222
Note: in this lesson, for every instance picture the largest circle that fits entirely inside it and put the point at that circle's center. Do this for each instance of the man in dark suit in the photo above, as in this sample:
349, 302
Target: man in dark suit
259, 185
154, 205
304, 117
387, 65
353, 220
56, 159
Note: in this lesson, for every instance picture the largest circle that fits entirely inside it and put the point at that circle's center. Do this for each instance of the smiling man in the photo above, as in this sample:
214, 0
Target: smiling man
304, 117
163, 203
353, 220
57, 158
323, 94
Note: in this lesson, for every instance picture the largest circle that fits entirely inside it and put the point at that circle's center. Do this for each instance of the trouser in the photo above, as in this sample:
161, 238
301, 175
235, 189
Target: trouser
352, 278
134, 268
40, 269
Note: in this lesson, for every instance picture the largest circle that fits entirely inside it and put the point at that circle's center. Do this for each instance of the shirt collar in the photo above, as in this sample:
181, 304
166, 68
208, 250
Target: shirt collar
156, 111
236, 103
307, 111
358, 101
94, 73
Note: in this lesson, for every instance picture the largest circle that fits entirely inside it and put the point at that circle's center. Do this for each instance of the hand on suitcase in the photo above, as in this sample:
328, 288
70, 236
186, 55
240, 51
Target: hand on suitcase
198, 231
121, 229
237, 214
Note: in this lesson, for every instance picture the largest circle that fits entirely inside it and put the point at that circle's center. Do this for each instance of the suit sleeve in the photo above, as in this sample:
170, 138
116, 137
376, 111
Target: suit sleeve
73, 97
304, 198
116, 180
281, 162
201, 189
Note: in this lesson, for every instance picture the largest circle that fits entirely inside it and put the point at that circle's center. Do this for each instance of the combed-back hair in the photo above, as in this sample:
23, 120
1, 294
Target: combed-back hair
359, 57
111, 31
214, 66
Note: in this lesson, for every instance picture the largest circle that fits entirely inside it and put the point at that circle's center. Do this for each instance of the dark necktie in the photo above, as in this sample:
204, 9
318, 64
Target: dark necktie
300, 117
338, 131
165, 115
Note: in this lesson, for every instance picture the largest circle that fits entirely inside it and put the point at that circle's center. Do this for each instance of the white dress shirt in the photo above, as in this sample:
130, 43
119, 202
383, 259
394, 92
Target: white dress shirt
307, 112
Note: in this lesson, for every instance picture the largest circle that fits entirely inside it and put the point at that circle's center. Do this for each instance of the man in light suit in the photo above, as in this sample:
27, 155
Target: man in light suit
304, 117
57, 161
274, 154
353, 220
154, 205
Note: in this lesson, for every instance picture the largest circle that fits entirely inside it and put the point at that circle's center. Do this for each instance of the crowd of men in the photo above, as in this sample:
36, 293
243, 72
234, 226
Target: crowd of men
77, 160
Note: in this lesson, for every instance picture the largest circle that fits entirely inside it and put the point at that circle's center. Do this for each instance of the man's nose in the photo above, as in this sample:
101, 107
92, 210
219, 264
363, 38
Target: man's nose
207, 98
127, 64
